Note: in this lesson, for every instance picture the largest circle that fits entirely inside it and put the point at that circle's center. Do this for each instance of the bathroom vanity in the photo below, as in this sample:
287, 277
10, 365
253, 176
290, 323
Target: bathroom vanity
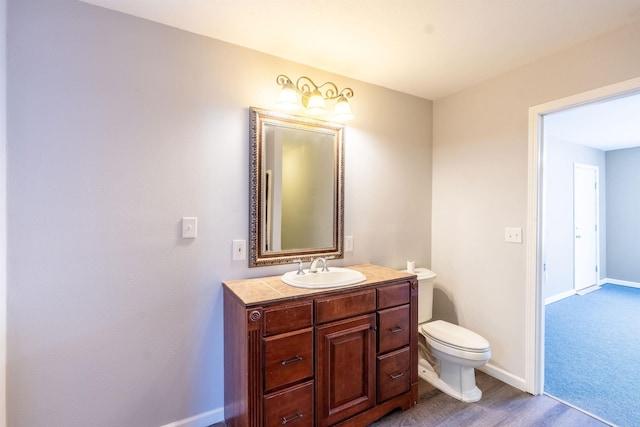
320, 357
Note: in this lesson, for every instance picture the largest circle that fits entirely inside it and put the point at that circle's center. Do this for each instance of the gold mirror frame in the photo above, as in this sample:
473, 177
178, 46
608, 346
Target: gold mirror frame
260, 119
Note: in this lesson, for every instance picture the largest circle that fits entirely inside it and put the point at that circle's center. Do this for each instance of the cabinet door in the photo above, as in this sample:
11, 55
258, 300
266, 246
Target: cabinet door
346, 368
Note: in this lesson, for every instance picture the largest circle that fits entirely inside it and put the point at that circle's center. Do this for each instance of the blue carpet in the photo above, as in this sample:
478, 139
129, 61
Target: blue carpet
592, 353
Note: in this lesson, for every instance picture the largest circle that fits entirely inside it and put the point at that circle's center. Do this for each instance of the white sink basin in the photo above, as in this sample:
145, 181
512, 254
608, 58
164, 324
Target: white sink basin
335, 277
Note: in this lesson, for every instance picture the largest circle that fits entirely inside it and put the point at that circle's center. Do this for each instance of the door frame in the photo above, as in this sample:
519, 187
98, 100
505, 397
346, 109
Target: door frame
596, 170
534, 329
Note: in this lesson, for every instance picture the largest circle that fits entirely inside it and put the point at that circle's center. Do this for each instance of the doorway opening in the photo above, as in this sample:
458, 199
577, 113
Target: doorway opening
536, 246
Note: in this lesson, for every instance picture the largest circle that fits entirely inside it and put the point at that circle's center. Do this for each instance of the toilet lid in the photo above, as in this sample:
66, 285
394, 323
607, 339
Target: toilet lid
455, 336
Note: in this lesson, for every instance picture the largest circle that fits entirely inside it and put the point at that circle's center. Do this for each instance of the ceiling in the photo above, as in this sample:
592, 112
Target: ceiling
426, 48
606, 125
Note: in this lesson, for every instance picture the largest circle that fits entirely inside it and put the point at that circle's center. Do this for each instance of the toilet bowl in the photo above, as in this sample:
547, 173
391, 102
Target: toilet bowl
448, 353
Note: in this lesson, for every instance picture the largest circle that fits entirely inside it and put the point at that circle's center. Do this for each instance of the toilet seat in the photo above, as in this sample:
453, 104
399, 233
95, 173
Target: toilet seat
455, 340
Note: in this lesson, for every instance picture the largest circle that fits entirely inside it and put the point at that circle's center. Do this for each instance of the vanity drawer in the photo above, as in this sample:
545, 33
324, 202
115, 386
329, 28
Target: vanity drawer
390, 296
343, 306
292, 406
393, 328
394, 376
288, 358
288, 317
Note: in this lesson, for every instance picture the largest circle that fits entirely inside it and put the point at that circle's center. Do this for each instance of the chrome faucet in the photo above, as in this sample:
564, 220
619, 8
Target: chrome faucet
299, 262
314, 263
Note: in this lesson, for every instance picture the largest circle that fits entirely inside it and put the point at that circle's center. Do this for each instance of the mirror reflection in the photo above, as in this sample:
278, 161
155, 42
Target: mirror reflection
296, 188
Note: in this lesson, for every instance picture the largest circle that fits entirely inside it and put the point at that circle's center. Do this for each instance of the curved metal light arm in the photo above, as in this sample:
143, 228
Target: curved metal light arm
347, 91
283, 80
305, 85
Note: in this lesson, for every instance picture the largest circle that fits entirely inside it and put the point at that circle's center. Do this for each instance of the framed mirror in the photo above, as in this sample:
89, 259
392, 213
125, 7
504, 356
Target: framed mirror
296, 188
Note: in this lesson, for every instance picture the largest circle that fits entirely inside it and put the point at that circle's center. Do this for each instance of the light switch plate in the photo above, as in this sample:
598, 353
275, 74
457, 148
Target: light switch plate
239, 248
189, 227
513, 234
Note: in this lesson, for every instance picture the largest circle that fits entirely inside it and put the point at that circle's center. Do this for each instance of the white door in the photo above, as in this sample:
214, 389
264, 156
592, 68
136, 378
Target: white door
585, 219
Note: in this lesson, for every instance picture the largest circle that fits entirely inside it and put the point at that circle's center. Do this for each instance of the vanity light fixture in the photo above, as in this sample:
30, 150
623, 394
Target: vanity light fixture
312, 97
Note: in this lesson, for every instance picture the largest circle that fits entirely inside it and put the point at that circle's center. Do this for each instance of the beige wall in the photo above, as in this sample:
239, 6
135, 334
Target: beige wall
118, 128
480, 186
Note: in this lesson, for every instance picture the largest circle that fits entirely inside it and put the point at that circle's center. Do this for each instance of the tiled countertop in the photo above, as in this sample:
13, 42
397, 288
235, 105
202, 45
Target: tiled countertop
268, 289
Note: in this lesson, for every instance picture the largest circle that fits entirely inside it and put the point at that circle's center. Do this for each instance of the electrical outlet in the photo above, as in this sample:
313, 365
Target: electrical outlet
348, 244
513, 234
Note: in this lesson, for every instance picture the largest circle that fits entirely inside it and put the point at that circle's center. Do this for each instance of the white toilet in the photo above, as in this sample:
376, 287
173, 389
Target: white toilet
448, 353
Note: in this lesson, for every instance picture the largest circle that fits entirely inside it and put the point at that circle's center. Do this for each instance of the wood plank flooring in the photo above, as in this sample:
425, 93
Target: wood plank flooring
501, 406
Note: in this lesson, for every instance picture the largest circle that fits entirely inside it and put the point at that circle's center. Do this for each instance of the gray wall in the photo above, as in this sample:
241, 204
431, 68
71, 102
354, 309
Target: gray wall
118, 127
619, 212
3, 211
559, 159
623, 207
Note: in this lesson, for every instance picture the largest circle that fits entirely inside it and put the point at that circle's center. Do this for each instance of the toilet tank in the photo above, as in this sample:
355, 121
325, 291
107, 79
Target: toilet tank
425, 294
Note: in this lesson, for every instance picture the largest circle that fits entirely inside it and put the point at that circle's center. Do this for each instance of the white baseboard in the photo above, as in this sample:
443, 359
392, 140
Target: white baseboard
201, 420
571, 292
504, 376
559, 297
620, 282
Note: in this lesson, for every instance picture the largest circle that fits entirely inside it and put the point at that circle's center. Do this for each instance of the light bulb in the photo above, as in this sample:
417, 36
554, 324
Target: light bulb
342, 111
288, 98
315, 103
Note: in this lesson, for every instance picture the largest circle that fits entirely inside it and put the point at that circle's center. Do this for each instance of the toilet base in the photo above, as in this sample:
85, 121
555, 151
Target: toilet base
427, 373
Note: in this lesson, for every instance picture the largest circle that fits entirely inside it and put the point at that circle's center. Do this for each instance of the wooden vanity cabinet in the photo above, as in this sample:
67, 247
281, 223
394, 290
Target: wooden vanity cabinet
332, 357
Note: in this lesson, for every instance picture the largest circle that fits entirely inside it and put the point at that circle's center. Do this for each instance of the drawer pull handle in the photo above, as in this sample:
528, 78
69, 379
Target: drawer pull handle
286, 420
396, 376
396, 329
295, 359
